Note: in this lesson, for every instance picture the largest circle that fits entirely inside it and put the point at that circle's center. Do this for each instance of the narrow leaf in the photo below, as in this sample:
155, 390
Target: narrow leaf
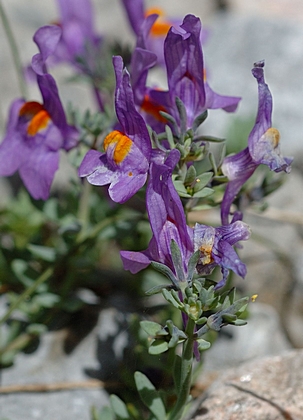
119, 408
158, 347
199, 120
157, 289
171, 299
205, 192
150, 396
177, 260
44, 252
163, 269
192, 265
203, 344
150, 327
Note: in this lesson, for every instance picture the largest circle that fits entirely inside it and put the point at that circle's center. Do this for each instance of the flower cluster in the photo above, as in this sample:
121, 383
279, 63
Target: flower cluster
154, 139
144, 146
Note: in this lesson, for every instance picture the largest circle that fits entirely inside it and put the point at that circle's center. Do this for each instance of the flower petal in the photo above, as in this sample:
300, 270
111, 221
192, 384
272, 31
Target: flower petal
38, 172
238, 168
132, 123
263, 141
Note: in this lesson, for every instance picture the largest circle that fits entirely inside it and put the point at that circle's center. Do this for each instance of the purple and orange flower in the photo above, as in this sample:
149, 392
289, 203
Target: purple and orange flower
127, 150
263, 148
36, 132
168, 223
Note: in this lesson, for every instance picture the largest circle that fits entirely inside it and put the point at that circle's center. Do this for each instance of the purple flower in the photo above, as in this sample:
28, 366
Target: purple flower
78, 43
186, 75
167, 220
216, 248
36, 132
141, 62
125, 163
263, 148
135, 13
161, 24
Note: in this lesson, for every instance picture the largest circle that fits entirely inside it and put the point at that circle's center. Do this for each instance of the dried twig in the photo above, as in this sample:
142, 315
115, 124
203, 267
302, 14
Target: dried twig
55, 387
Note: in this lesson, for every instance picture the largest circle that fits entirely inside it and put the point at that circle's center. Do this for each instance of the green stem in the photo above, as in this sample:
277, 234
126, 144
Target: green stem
27, 293
14, 50
83, 211
185, 374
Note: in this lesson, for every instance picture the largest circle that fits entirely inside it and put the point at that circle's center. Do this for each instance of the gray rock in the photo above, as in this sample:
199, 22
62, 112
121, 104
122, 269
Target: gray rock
269, 388
51, 365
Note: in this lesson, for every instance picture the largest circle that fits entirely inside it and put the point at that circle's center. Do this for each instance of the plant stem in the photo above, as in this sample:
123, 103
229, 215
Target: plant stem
98, 99
186, 373
14, 51
29, 291
83, 211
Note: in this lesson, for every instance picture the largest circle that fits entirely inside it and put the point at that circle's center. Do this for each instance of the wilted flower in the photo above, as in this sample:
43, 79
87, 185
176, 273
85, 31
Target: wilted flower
125, 162
263, 147
216, 248
36, 132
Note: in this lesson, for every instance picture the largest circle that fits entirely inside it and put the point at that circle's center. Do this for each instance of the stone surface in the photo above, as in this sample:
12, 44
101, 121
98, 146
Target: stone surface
268, 388
50, 365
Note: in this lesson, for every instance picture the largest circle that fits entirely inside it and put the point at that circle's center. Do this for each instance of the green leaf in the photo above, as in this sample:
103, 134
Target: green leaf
203, 344
213, 162
47, 300
192, 265
199, 120
44, 252
158, 347
157, 289
170, 137
105, 414
181, 190
119, 408
202, 321
172, 299
19, 267
149, 396
190, 175
163, 269
239, 322
177, 260
211, 139
205, 192
229, 317
183, 115
36, 329
150, 327
203, 180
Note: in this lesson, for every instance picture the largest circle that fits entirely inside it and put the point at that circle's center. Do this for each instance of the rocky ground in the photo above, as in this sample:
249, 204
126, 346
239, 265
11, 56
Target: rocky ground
261, 387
